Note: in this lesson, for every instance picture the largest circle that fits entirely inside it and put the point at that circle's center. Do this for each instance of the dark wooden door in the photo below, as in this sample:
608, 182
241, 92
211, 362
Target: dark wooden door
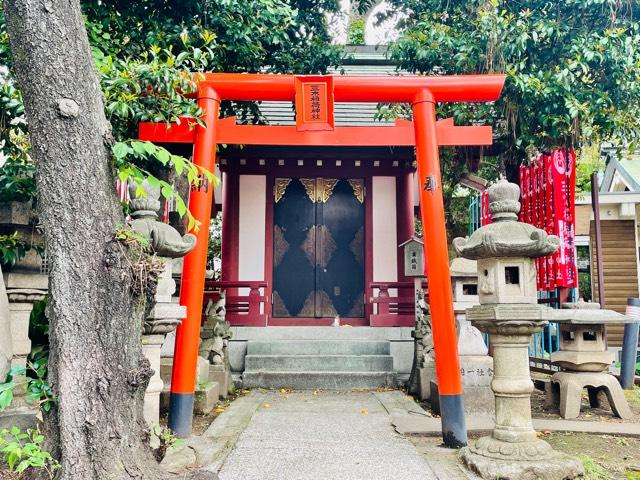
318, 254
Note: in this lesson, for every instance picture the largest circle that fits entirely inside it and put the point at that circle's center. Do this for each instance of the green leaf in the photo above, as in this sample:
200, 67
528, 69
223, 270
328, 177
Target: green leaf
178, 163
153, 181
150, 148
120, 150
182, 208
167, 191
6, 396
139, 148
163, 156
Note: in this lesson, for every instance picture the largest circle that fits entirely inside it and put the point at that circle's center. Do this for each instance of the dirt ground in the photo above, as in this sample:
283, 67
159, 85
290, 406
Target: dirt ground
605, 457
202, 422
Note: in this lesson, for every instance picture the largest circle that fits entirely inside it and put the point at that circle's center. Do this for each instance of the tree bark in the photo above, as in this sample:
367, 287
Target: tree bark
96, 366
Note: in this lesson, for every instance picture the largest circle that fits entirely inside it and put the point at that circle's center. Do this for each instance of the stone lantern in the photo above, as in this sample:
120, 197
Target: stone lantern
476, 366
584, 359
165, 315
509, 312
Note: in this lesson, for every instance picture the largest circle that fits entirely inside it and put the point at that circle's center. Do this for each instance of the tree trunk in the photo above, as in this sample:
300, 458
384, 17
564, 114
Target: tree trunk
96, 366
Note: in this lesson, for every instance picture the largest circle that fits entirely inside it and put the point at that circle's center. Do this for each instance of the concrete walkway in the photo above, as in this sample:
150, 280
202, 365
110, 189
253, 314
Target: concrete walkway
323, 436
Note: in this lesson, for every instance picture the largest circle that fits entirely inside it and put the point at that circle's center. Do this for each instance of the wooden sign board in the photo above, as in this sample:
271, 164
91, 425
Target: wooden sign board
314, 103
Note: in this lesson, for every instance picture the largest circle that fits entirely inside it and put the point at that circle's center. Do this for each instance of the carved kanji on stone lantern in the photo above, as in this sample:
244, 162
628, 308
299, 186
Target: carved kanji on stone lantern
509, 312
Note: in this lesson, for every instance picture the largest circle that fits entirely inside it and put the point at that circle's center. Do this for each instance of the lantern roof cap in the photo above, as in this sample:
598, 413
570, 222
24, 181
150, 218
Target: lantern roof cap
506, 236
463, 267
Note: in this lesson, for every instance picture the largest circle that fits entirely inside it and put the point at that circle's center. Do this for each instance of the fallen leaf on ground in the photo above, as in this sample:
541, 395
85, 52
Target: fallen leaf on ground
218, 410
266, 405
364, 411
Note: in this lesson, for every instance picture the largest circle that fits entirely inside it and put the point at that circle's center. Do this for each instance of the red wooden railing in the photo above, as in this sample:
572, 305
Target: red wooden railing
242, 310
393, 311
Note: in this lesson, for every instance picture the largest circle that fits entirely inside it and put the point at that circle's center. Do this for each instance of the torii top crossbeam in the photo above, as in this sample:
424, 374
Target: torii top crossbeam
314, 97
400, 89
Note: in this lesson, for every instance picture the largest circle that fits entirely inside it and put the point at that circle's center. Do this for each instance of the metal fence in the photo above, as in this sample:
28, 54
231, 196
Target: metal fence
475, 212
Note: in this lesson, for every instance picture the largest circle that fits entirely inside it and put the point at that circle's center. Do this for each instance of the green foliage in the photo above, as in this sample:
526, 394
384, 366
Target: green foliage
144, 52
17, 182
132, 154
23, 451
214, 248
166, 440
6, 389
584, 286
128, 236
573, 68
593, 470
589, 160
245, 35
12, 249
38, 390
152, 87
37, 387
355, 35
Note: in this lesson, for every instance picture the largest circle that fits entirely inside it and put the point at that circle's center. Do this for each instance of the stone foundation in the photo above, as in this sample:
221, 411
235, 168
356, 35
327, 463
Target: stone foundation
549, 465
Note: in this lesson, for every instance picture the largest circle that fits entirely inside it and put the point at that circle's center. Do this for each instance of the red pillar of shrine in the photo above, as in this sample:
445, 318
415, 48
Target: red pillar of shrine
185, 357
443, 326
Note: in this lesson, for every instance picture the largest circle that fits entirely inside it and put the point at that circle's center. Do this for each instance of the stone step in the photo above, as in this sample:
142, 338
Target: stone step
323, 380
333, 363
205, 397
321, 333
318, 347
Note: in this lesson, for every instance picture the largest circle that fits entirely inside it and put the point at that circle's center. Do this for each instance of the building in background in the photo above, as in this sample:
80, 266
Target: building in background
619, 213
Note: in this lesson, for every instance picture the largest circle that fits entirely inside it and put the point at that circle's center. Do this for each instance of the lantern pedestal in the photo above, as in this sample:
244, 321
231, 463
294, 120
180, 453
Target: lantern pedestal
513, 451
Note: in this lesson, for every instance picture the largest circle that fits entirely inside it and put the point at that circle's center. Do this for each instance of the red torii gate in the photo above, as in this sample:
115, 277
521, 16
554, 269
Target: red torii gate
314, 97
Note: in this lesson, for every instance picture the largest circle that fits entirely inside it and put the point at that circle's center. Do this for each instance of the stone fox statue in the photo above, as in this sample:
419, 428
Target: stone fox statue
216, 332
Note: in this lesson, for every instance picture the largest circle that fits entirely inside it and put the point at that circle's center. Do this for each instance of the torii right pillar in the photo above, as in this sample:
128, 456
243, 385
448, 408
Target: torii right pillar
454, 432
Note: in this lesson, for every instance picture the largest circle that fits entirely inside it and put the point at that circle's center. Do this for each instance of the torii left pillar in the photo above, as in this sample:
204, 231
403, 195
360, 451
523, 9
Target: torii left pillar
185, 357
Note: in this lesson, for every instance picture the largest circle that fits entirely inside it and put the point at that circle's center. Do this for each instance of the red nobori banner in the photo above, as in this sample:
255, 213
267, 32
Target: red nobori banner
548, 202
485, 214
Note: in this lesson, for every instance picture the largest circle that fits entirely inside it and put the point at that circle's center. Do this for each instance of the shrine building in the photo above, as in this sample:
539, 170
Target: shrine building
316, 201
311, 235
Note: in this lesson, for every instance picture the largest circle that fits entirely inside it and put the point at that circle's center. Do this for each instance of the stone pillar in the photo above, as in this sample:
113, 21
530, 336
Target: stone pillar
20, 413
151, 345
165, 315
476, 366
509, 312
20, 312
163, 318
6, 347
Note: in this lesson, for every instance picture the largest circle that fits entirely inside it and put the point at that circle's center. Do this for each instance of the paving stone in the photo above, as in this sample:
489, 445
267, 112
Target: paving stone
328, 435
429, 426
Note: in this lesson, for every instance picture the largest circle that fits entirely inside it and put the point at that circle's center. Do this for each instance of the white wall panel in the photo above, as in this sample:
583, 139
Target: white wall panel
251, 228
385, 239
